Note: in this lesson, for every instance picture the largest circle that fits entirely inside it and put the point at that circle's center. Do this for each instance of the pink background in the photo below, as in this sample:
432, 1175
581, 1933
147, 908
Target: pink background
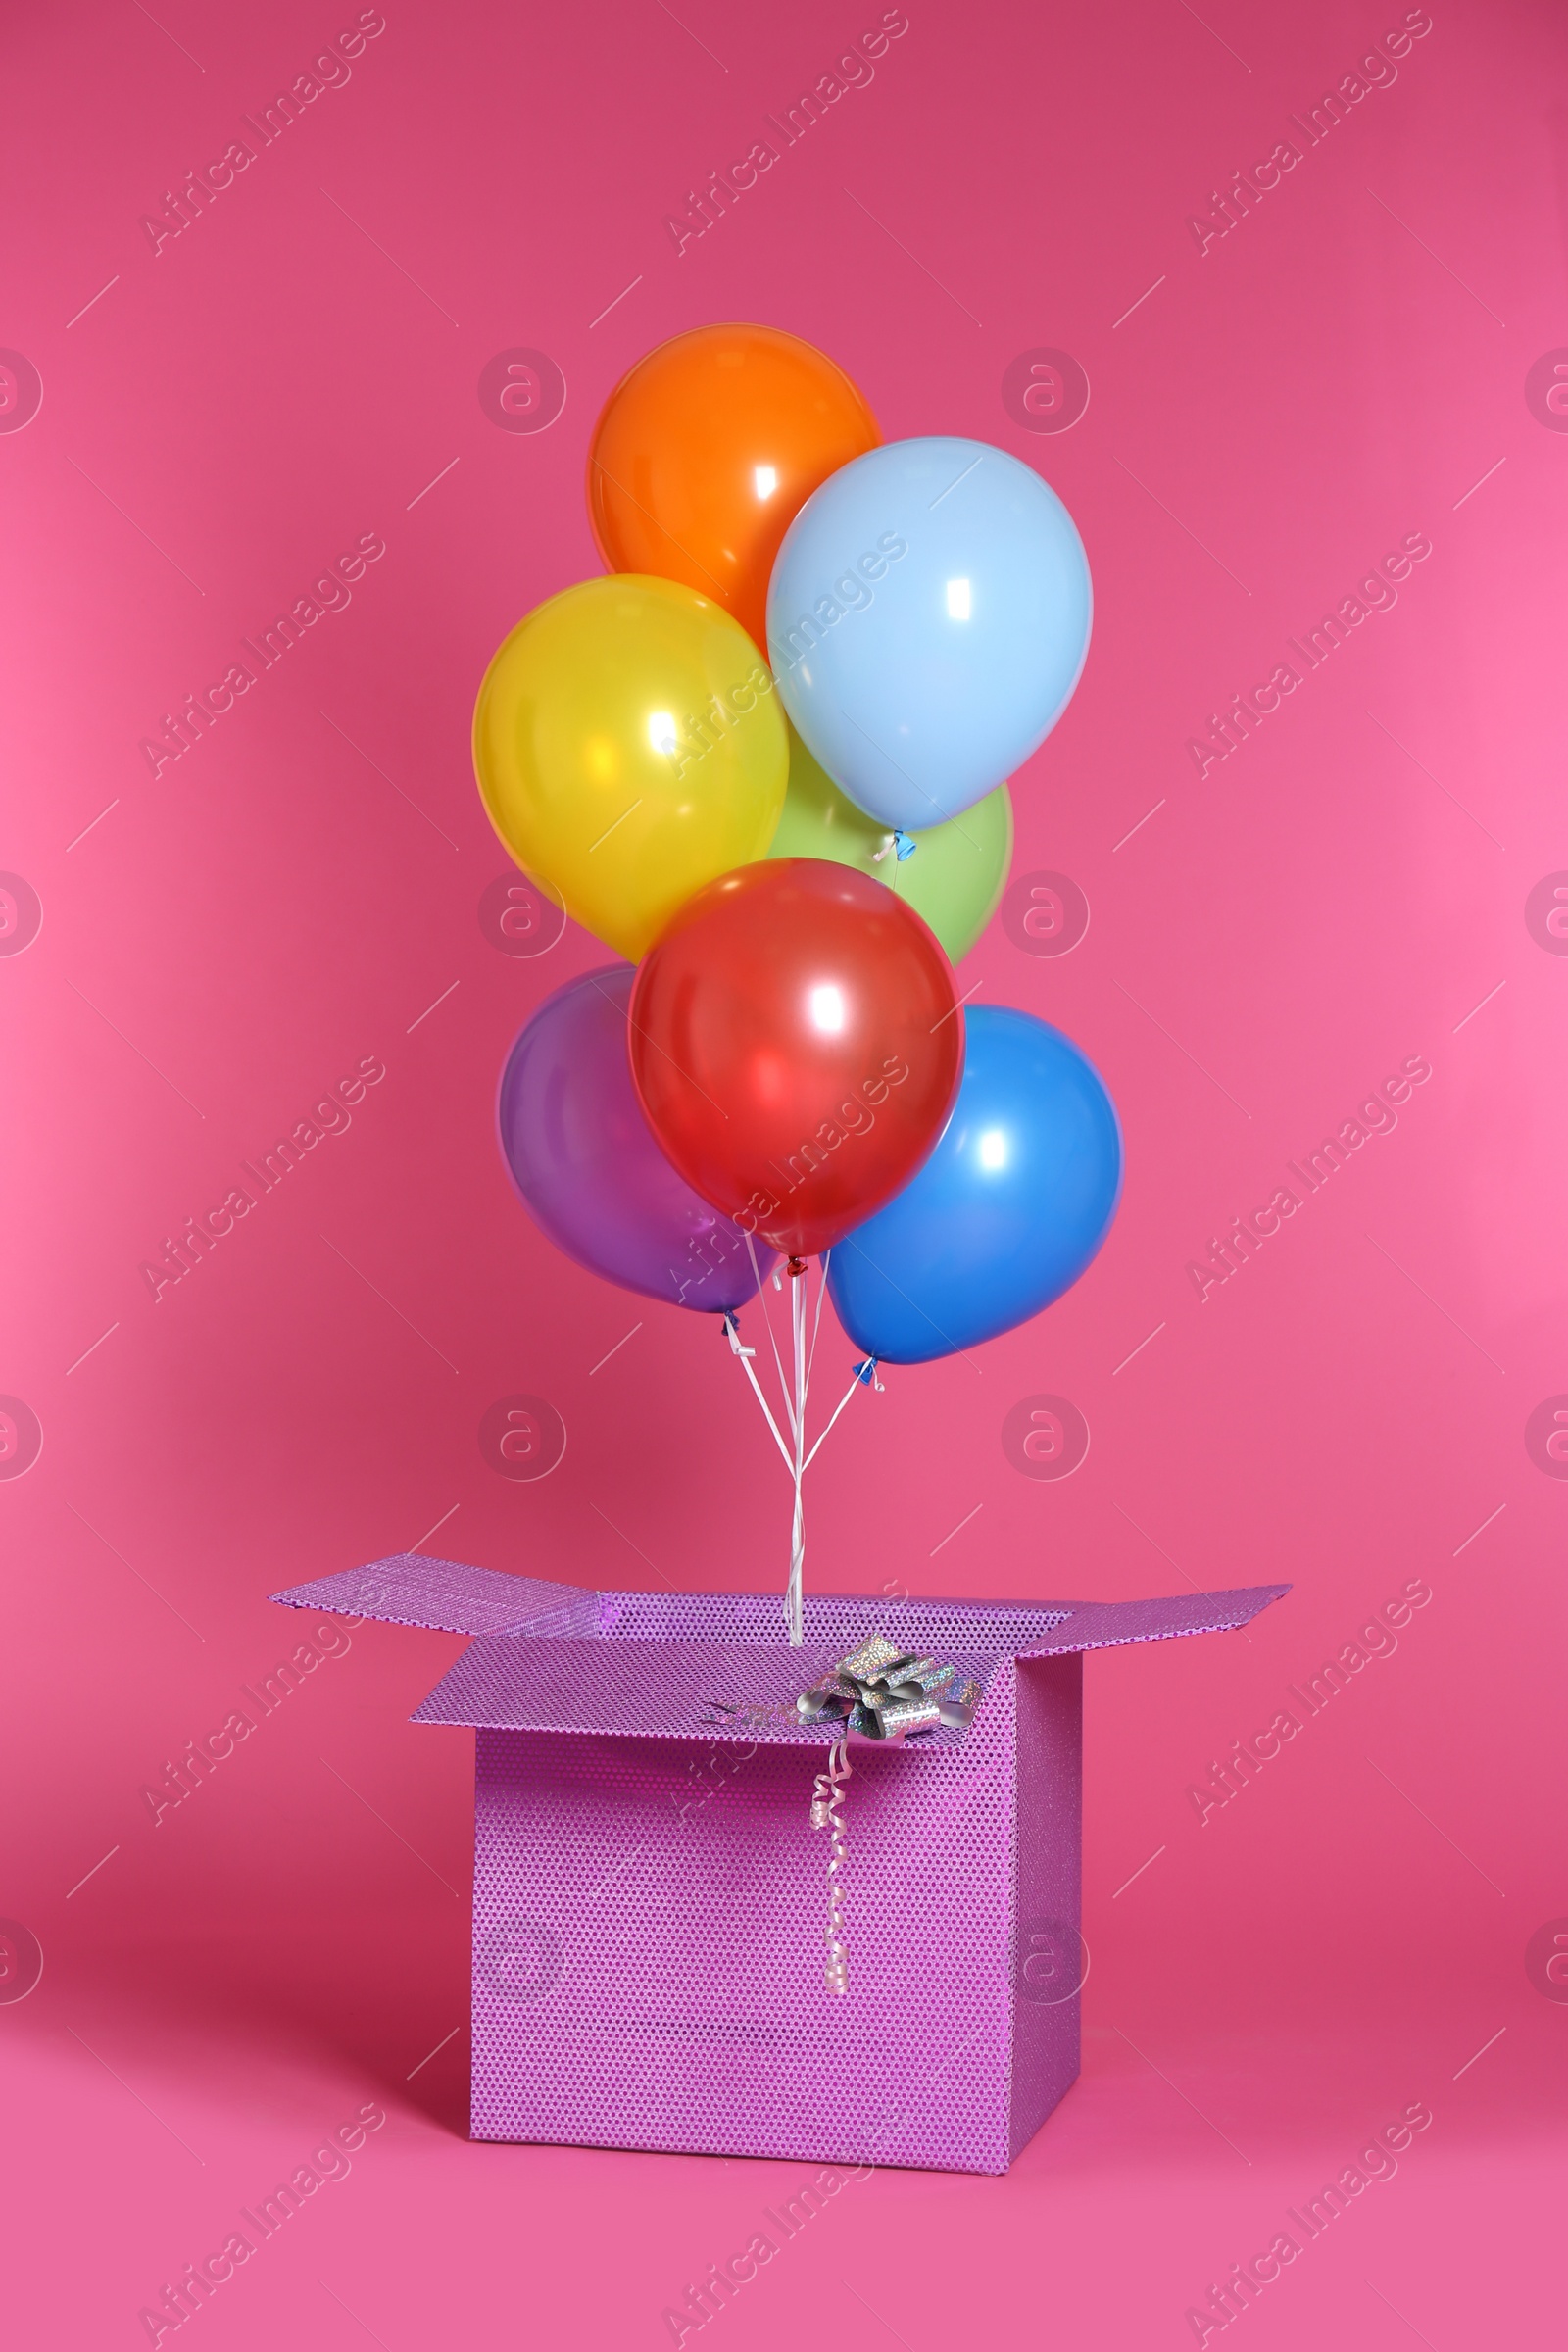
1347, 367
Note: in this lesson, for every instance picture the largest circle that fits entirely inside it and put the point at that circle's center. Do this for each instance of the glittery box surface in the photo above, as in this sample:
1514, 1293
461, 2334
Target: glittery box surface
649, 1896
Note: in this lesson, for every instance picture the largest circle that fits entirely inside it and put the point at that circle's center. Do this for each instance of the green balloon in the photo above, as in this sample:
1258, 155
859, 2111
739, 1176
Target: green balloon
953, 878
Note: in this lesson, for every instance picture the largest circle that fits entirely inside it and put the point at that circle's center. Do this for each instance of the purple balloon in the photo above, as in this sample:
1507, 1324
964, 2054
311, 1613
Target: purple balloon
589, 1172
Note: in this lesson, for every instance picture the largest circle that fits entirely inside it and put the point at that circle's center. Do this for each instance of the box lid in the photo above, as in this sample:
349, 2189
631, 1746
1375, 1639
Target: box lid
447, 1596
680, 1665
1107, 1624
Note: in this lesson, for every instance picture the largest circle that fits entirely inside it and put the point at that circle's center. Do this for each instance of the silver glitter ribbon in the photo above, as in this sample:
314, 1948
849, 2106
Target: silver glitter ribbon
885, 1693
828, 1813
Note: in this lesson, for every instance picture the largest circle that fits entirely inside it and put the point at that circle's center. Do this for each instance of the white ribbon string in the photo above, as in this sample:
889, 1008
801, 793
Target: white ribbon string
821, 1294
794, 1600
856, 1383
778, 1363
746, 1354
793, 1452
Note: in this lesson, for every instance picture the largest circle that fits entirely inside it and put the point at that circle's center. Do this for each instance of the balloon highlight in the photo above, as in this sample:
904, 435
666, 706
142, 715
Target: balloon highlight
796, 1044
630, 748
707, 449
927, 621
1008, 1211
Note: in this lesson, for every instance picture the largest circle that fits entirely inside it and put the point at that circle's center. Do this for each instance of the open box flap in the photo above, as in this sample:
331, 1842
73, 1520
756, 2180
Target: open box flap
1106, 1624
719, 1690
447, 1596
553, 1658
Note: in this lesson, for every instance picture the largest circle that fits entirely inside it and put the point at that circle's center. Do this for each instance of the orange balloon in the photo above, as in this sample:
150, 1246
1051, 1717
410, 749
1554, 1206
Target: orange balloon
706, 453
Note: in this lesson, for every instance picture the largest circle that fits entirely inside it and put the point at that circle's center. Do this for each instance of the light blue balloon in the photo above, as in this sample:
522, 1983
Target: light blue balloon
1006, 1212
927, 621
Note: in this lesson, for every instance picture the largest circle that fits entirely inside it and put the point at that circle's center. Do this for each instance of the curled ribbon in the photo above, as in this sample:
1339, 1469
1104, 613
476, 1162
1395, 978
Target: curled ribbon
886, 1693
828, 1813
883, 1692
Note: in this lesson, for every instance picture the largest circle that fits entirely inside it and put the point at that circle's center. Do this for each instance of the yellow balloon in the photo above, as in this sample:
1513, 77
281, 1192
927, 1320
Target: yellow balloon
630, 747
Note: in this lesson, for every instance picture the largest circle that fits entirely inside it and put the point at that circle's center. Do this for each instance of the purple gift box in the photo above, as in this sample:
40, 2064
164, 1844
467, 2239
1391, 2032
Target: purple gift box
649, 1898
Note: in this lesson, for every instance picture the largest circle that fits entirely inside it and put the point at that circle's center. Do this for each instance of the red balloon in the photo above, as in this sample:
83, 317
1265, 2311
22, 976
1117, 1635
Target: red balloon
797, 1047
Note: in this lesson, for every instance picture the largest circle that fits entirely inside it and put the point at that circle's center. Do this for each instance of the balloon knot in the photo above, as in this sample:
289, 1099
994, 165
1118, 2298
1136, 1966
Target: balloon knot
797, 1266
905, 845
865, 1374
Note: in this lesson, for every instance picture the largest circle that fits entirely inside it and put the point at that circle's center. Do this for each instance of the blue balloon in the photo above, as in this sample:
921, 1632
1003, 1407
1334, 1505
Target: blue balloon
1004, 1215
927, 619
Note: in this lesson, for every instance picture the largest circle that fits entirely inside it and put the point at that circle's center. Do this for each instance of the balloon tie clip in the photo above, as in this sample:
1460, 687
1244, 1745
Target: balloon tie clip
902, 846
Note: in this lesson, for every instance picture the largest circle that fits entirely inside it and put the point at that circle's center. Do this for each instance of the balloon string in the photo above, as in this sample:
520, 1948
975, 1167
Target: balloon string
821, 1294
778, 1361
856, 1383
745, 1354
794, 1600
801, 1270
796, 1458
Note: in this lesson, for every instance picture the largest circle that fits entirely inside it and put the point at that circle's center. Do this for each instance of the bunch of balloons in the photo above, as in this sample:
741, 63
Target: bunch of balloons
765, 759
